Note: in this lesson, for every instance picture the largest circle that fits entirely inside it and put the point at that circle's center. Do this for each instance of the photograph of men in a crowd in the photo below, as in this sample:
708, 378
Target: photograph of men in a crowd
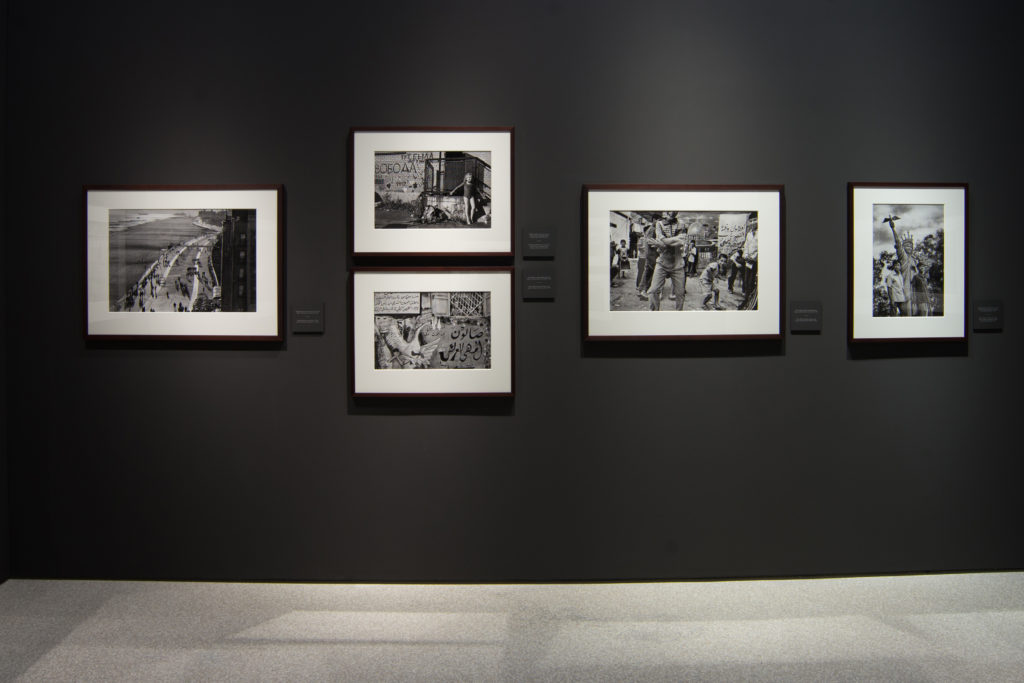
908, 260
683, 260
432, 190
182, 260
420, 330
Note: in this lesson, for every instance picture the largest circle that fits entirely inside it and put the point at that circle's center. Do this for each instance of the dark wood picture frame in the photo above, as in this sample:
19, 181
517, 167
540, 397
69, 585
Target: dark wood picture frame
763, 319
867, 299
263, 291
444, 234
367, 381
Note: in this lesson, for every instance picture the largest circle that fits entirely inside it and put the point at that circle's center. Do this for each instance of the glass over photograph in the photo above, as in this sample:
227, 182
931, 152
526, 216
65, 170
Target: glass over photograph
417, 330
182, 260
908, 258
432, 190
213, 251
682, 260
435, 191
433, 331
907, 262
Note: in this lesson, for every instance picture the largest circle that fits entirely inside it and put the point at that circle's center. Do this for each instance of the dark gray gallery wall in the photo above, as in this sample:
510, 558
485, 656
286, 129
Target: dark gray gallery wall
5, 536
663, 461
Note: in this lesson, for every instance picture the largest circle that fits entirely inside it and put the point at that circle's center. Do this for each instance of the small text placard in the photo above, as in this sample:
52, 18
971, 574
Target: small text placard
988, 315
308, 319
805, 316
537, 281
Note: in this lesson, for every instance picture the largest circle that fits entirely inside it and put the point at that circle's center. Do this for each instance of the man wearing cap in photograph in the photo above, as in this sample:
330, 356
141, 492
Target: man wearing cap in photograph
670, 240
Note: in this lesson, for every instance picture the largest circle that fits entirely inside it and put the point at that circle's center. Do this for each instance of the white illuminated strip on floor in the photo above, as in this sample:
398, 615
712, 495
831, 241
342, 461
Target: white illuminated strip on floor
263, 661
384, 627
993, 636
814, 639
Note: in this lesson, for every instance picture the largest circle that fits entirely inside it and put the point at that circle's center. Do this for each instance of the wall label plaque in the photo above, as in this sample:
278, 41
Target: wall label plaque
539, 243
805, 316
988, 315
308, 319
538, 281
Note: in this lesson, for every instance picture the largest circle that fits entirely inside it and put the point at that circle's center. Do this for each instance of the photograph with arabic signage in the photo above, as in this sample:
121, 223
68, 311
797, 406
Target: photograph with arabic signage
211, 253
908, 266
682, 262
435, 191
432, 331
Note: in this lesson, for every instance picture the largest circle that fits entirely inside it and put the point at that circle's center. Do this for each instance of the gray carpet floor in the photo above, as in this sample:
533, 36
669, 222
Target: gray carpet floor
960, 627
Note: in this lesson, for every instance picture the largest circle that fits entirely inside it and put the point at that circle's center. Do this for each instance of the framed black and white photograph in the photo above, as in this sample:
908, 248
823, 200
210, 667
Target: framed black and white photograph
184, 262
427, 331
682, 261
907, 262
432, 191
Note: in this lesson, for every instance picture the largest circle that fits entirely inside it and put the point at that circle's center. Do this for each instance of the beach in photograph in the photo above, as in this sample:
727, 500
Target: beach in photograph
138, 239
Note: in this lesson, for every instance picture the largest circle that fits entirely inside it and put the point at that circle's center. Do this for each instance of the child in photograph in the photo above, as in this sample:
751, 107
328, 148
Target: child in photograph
469, 196
708, 284
894, 286
736, 269
919, 290
623, 259
691, 257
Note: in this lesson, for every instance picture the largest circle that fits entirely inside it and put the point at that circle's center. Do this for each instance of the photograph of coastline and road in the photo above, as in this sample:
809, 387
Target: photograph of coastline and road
182, 260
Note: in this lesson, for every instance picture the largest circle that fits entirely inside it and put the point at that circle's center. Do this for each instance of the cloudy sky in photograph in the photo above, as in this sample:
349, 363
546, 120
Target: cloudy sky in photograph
920, 220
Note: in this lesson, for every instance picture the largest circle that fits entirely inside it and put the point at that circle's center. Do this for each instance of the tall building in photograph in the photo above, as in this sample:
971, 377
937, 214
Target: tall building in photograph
238, 261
